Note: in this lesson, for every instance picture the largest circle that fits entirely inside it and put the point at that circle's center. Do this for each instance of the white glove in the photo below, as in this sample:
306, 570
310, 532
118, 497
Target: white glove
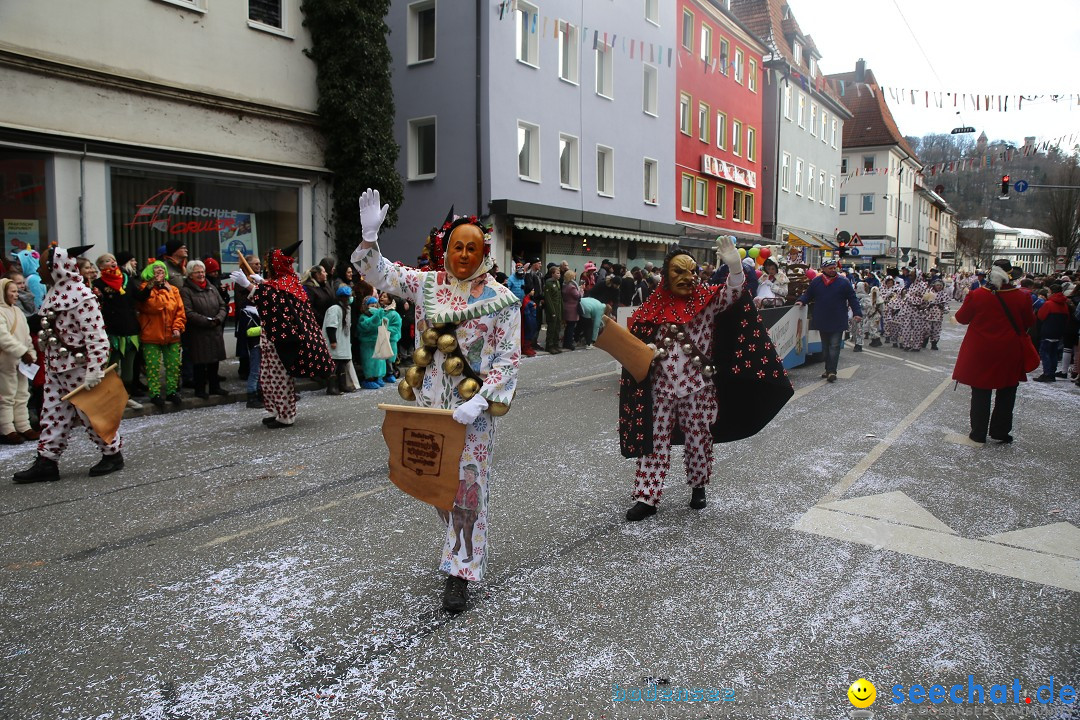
257, 279
93, 377
371, 215
239, 278
470, 410
728, 254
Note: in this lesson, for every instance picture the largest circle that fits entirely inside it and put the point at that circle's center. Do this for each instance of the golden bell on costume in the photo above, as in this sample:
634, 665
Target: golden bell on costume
422, 357
498, 409
447, 343
430, 337
405, 390
415, 376
467, 388
453, 366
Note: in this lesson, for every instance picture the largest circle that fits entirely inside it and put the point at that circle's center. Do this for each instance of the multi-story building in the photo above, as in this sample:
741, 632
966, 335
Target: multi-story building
718, 143
932, 222
554, 118
803, 123
986, 240
878, 169
124, 124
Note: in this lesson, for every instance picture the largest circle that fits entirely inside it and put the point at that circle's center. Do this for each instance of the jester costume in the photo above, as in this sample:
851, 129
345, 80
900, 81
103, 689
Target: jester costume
712, 348
291, 344
484, 318
76, 350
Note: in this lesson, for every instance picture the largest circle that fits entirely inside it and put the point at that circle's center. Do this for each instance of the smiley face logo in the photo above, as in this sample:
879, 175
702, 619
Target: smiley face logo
862, 693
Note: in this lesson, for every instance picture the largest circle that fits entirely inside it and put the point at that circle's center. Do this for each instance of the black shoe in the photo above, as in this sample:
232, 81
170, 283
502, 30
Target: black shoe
175, 398
1003, 440
253, 400
455, 596
824, 375
1045, 378
640, 511
1062, 375
268, 421
697, 498
43, 470
876, 342
159, 402
895, 345
933, 346
274, 424
832, 377
858, 348
108, 464
219, 391
976, 438
202, 394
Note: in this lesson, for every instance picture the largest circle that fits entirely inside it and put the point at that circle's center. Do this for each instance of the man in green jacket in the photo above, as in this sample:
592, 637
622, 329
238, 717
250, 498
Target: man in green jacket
552, 308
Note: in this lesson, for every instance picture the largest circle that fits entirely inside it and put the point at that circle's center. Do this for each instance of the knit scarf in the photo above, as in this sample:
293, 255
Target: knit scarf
114, 279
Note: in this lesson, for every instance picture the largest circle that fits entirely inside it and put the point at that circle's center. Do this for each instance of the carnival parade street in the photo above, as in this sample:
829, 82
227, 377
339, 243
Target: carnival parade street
236, 571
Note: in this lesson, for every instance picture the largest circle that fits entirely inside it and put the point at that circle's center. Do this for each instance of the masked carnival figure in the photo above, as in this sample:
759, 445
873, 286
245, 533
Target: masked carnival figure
715, 377
468, 345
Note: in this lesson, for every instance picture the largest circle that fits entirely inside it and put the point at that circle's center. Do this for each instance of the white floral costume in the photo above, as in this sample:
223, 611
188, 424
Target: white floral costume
489, 335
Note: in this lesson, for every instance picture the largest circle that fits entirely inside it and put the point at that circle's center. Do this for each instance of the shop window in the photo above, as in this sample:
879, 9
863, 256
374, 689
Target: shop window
218, 217
24, 212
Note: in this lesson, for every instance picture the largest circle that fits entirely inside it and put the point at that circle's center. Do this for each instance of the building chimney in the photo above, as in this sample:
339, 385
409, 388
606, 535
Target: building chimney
860, 71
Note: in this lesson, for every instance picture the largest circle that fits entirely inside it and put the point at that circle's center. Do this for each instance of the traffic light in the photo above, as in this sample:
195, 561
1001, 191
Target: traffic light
1004, 185
873, 263
841, 248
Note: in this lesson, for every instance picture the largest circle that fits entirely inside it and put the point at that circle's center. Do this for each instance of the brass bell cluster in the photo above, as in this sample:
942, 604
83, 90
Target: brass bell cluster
442, 337
675, 334
49, 338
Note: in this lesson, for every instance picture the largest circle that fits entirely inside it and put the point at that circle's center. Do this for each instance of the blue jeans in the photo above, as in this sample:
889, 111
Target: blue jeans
1050, 352
830, 346
253, 369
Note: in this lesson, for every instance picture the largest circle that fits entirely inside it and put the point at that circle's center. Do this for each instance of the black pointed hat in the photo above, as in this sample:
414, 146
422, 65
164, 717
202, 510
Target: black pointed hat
291, 249
78, 251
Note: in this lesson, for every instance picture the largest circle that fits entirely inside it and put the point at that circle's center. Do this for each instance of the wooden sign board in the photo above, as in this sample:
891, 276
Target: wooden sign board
425, 447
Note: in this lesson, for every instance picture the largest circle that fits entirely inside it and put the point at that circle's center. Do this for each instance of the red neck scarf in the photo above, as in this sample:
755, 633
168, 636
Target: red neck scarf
828, 280
114, 279
283, 276
664, 307
201, 285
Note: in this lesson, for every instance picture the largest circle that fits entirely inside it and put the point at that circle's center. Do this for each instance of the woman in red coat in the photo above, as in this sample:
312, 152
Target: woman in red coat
993, 354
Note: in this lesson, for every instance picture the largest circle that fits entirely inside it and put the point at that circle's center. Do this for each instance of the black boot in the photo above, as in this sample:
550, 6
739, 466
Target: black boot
933, 345
697, 498
108, 464
43, 470
456, 594
332, 385
640, 511
253, 400
876, 342
200, 391
343, 381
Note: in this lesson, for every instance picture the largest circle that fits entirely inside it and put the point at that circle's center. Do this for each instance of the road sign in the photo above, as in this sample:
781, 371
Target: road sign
843, 236
1062, 251
1021, 185
854, 251
1059, 265
856, 241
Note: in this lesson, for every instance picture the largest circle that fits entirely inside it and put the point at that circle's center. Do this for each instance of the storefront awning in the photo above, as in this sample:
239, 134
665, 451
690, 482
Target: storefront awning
596, 231
695, 230
806, 240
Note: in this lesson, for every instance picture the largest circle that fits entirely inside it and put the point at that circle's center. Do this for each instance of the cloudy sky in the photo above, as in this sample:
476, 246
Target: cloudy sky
989, 47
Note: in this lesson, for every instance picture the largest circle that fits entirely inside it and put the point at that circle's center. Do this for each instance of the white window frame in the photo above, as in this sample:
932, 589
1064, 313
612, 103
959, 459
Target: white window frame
810, 181
821, 187
527, 48
872, 163
703, 113
686, 120
843, 165
843, 204
721, 130
413, 32
533, 132
608, 176
705, 40
832, 191
833, 132
573, 182
413, 151
605, 72
740, 71
785, 173
751, 144
824, 126
736, 137
862, 204
701, 196
798, 176
813, 67
686, 14
569, 53
686, 193
802, 110
650, 91
751, 76
650, 181
272, 29
724, 55
813, 119
796, 50
198, 6
652, 11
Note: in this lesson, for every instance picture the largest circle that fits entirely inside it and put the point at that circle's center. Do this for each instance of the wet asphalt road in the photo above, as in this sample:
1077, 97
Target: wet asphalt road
231, 571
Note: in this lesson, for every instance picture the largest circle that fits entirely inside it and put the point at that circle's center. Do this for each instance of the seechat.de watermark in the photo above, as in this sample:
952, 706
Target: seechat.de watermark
973, 693
662, 693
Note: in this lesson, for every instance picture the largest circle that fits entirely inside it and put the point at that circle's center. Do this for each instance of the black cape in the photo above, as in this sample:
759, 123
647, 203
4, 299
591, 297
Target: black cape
751, 383
289, 323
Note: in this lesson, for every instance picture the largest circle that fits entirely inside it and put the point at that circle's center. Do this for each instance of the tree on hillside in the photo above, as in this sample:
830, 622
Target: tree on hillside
1061, 208
356, 107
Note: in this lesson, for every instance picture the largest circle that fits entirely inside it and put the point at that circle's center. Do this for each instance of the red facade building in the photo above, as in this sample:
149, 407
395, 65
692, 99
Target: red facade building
718, 128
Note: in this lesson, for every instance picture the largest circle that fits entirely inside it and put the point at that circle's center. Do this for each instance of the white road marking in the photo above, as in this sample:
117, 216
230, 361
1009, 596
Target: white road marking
575, 381
892, 506
910, 363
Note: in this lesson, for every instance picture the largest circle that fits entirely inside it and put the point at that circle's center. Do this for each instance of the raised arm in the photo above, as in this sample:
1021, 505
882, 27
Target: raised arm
383, 275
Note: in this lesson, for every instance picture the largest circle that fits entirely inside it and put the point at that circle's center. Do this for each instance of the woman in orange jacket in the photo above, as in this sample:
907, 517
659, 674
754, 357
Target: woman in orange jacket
161, 320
